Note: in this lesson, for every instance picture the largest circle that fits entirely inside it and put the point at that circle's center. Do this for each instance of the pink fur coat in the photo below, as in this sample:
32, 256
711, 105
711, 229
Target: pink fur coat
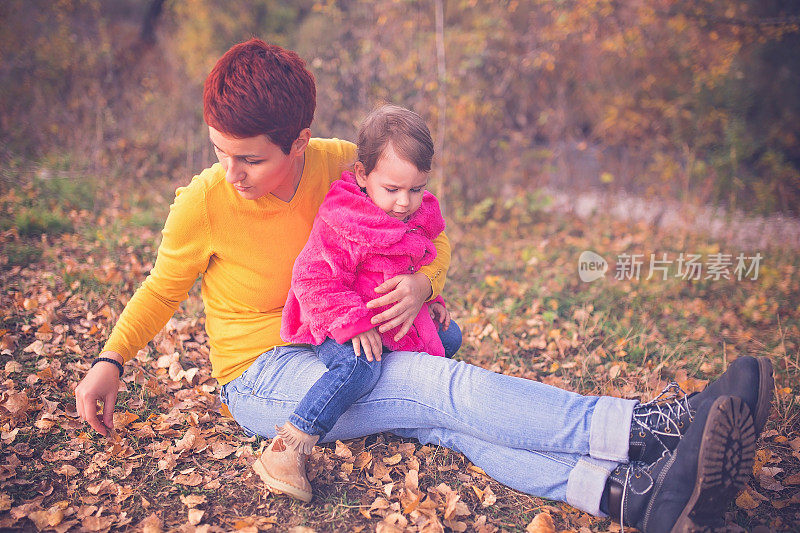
354, 247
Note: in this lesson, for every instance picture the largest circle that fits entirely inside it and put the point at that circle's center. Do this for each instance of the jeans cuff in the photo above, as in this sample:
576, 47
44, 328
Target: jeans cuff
609, 436
586, 483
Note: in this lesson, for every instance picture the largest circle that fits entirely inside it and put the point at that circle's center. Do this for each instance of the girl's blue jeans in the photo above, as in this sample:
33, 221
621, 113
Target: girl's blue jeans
530, 436
348, 378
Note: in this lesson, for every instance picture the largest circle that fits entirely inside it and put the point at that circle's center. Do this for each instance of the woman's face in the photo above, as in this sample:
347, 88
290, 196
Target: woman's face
255, 166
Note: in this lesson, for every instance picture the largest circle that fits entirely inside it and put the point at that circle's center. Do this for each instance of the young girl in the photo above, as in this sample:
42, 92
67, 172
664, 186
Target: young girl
372, 225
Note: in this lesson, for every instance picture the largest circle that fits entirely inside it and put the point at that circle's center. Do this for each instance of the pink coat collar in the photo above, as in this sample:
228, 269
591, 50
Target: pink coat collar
351, 214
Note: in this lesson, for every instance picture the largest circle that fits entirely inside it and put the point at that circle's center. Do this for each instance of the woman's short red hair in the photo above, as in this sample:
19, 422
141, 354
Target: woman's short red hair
260, 89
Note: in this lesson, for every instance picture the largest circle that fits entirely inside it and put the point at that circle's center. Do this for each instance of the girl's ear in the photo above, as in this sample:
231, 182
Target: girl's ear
361, 174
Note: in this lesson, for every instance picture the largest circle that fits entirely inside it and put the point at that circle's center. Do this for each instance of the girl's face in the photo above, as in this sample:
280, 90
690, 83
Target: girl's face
395, 185
255, 166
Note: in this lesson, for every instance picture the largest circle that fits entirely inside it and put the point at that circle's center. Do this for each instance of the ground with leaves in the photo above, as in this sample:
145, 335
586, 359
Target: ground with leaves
71, 256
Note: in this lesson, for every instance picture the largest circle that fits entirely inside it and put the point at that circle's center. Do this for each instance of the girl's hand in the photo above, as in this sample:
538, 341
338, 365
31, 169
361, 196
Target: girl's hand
440, 314
99, 384
408, 292
370, 342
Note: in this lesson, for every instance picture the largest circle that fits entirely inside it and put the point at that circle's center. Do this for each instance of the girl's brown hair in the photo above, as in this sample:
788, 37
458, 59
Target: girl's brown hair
407, 132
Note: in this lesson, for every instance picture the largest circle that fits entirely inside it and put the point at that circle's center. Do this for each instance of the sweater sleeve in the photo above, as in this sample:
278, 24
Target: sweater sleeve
436, 270
323, 281
182, 256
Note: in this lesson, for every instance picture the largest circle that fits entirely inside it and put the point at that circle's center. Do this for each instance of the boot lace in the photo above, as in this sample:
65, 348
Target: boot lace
636, 469
665, 410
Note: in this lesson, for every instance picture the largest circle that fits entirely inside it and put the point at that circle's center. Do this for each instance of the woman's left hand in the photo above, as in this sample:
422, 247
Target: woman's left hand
408, 292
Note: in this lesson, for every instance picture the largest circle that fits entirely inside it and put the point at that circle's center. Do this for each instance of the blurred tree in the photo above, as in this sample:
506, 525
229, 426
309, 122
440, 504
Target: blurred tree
674, 97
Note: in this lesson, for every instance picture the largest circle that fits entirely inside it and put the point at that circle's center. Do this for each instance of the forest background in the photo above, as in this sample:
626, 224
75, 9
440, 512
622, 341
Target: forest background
691, 103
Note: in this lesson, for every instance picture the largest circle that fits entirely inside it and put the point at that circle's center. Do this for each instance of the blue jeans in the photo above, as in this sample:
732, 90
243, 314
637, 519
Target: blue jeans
530, 436
451, 339
348, 378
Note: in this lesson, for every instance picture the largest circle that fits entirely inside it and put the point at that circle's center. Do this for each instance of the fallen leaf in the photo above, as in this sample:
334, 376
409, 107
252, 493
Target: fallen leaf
190, 480
745, 501
766, 478
362, 460
192, 439
8, 436
122, 420
794, 479
691, 385
393, 523
151, 524
342, 450
411, 504
104, 486
488, 497
16, 402
36, 347
97, 523
393, 460
47, 519
67, 470
5, 501
541, 523
195, 516
193, 500
379, 504
221, 450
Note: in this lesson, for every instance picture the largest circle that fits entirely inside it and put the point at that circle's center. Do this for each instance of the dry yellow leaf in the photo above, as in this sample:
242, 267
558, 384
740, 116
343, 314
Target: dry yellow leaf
5, 501
46, 519
97, 523
195, 516
193, 500
393, 460
745, 501
122, 420
67, 470
794, 479
190, 480
362, 460
541, 523
221, 450
342, 450
691, 385
488, 498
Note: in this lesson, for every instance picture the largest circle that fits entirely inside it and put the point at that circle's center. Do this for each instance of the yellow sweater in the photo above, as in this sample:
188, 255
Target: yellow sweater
244, 250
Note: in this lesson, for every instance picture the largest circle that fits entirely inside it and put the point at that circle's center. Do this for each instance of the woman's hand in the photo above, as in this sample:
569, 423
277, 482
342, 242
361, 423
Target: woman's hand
439, 314
408, 292
99, 384
370, 342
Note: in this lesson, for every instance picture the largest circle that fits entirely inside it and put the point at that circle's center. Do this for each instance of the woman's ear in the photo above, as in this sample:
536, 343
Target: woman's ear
361, 174
299, 145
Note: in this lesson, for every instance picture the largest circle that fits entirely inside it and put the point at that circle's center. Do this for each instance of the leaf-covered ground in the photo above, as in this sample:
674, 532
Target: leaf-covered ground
71, 256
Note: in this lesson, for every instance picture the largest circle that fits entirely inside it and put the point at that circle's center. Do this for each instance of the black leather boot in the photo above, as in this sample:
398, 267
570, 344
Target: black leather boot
659, 424
688, 489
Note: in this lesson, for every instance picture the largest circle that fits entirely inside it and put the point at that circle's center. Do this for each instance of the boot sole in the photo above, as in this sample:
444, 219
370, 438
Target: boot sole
766, 386
725, 460
281, 486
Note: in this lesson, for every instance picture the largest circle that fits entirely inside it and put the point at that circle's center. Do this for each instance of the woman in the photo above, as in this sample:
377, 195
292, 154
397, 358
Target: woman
241, 223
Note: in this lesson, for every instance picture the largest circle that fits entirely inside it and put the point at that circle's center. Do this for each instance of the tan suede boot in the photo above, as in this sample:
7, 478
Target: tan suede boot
282, 466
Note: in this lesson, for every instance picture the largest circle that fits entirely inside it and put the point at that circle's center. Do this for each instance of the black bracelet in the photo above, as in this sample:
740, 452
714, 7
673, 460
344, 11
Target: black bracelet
109, 360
